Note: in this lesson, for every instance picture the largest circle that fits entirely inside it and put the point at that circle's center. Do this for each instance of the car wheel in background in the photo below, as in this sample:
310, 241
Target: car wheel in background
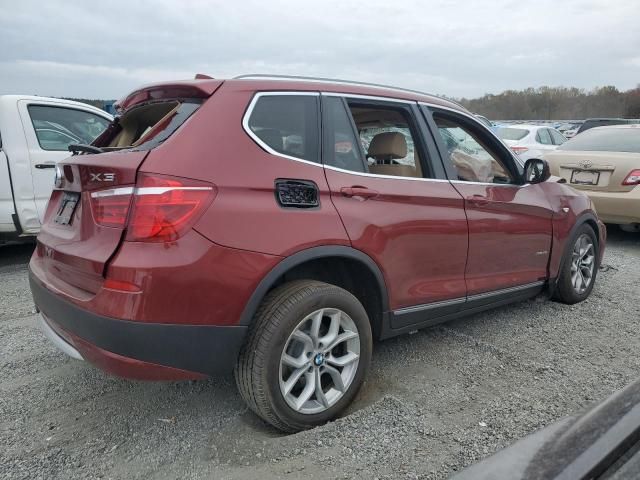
630, 228
579, 267
306, 355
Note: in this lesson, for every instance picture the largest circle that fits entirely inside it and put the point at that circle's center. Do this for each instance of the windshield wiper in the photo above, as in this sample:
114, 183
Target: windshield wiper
82, 147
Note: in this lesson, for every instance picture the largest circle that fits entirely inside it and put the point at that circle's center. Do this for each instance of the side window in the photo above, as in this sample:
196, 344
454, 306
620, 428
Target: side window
58, 127
341, 147
557, 137
543, 137
287, 124
469, 156
387, 138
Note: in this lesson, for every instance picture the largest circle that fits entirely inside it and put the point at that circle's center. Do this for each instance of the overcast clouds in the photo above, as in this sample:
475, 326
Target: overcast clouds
452, 47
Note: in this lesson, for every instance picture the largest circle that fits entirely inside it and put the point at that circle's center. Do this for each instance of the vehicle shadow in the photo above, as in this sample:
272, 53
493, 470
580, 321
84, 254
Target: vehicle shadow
16, 254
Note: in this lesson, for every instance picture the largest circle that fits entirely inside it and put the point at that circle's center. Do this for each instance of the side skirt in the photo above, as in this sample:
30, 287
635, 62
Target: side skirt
408, 319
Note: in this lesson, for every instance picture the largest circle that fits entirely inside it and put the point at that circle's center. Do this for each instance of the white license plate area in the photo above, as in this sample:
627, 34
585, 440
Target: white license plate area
585, 177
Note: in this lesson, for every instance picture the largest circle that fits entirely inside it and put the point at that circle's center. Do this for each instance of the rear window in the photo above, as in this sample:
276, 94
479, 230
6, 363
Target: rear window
605, 140
58, 127
509, 133
287, 125
145, 126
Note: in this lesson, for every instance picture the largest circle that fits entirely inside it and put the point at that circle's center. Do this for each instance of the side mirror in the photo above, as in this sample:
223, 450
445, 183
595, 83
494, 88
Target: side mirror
536, 170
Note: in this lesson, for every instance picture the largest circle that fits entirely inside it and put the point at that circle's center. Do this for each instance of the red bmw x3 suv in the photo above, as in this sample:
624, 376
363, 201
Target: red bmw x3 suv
277, 226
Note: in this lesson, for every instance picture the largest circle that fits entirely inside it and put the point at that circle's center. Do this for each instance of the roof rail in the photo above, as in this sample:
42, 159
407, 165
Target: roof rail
266, 76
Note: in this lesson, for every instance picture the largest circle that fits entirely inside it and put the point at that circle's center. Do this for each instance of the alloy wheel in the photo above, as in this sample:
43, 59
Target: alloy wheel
319, 361
582, 263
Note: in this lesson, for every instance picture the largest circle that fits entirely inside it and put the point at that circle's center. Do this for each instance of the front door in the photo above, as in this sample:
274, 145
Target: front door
49, 129
509, 222
382, 180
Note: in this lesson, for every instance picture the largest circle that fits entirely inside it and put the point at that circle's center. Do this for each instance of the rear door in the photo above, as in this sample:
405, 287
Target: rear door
49, 129
385, 187
509, 223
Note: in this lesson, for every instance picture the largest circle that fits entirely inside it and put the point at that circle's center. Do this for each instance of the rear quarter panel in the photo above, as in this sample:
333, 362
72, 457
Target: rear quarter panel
212, 146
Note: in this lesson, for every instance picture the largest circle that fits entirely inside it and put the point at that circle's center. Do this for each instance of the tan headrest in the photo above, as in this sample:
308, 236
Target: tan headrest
388, 145
394, 170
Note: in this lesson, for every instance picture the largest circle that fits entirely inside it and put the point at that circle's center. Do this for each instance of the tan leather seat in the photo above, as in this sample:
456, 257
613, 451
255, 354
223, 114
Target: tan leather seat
388, 146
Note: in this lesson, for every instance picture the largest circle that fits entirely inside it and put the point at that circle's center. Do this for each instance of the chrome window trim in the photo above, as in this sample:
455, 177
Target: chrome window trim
375, 175
268, 149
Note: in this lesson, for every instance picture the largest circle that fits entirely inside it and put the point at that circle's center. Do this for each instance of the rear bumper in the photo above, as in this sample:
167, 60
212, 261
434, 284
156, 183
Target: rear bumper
617, 207
138, 349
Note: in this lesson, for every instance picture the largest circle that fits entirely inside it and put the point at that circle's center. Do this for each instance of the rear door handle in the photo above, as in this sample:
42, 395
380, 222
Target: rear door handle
41, 166
358, 191
477, 200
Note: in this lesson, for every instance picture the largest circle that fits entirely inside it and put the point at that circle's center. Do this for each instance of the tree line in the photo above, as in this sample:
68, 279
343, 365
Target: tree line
557, 103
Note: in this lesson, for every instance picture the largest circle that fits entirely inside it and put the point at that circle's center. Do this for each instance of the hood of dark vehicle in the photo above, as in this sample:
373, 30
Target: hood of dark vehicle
601, 443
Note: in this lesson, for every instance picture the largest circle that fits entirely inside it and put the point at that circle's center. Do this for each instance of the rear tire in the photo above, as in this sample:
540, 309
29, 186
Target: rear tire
579, 267
305, 356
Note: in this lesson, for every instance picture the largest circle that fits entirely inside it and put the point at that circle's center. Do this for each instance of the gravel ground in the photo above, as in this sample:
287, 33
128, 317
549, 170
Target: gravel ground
436, 401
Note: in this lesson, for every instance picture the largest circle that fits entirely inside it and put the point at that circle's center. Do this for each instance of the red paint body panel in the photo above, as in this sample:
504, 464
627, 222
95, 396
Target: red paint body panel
191, 281
509, 235
415, 230
244, 214
562, 196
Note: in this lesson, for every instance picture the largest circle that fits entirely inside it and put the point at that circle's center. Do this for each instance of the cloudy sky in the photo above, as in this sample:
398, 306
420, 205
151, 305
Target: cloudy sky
453, 47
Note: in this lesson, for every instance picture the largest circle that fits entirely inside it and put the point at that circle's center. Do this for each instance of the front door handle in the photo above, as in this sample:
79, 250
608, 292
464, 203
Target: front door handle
359, 192
478, 200
41, 166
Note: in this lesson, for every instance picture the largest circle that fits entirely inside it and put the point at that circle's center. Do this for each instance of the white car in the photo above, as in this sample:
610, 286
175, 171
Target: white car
531, 141
35, 133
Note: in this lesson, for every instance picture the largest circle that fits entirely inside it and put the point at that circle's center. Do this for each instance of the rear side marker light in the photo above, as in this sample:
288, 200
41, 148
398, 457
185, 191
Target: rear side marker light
633, 178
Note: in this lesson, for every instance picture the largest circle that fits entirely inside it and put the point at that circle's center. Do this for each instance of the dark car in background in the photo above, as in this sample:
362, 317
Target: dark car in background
603, 122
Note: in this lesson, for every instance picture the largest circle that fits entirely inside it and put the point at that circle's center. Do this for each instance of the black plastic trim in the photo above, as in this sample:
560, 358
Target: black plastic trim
581, 220
304, 256
206, 349
412, 318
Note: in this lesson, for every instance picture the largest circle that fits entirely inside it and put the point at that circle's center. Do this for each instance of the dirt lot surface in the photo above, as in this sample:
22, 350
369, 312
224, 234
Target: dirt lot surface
436, 401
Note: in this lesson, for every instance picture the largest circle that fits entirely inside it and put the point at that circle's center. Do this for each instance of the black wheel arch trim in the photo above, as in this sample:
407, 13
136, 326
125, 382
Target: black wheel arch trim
303, 256
580, 220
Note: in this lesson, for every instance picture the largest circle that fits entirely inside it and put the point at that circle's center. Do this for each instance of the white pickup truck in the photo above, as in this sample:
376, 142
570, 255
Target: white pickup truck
35, 133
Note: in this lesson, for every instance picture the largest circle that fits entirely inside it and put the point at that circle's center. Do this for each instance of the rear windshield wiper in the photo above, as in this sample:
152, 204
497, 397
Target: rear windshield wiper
82, 147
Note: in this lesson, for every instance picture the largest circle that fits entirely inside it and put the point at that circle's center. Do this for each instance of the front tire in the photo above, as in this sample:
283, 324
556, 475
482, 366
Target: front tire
306, 355
579, 267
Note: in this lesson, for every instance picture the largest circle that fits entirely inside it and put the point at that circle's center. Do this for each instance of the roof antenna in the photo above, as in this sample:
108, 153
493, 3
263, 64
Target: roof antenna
202, 76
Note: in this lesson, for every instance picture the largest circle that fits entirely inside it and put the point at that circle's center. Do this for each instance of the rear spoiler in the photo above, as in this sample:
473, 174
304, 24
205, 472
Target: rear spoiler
200, 87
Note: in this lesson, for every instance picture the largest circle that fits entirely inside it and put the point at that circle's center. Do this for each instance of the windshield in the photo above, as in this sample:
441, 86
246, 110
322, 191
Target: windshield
510, 133
605, 140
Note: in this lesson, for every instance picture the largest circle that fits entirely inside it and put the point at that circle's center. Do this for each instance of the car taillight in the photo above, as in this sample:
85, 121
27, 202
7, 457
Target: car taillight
519, 150
111, 207
633, 178
164, 208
